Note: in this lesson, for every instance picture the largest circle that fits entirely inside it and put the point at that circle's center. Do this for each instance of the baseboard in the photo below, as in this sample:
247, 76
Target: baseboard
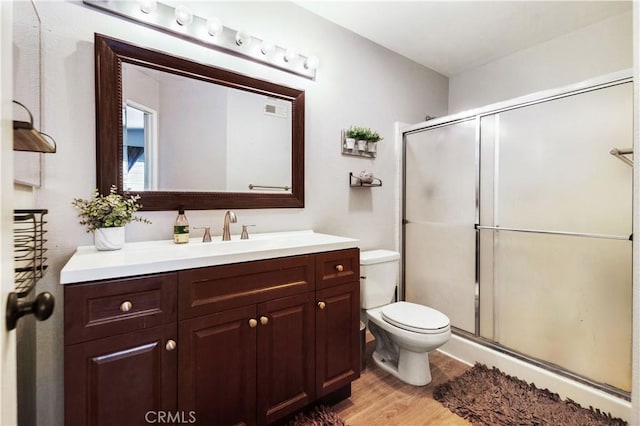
470, 352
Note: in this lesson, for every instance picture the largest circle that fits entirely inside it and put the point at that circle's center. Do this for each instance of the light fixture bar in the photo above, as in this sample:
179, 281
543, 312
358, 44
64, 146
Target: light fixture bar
163, 18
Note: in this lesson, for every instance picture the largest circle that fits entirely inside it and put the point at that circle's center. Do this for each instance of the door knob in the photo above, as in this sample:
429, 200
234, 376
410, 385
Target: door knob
264, 320
253, 322
339, 268
41, 308
321, 305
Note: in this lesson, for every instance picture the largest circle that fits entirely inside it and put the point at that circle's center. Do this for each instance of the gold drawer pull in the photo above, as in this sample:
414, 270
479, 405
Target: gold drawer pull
321, 305
264, 320
253, 322
171, 345
339, 268
126, 306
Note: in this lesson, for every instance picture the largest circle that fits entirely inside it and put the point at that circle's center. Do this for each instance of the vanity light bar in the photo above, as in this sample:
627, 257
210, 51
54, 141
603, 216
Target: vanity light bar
199, 30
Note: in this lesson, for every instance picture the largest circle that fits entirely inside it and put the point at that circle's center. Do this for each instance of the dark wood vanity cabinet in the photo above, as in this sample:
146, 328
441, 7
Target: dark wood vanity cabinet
120, 354
256, 342
337, 339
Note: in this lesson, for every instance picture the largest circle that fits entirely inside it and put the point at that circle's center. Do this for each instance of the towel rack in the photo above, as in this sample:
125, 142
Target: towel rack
252, 186
621, 155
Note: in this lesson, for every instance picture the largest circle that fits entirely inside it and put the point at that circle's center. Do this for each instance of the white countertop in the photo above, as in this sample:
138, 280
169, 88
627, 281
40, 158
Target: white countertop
89, 264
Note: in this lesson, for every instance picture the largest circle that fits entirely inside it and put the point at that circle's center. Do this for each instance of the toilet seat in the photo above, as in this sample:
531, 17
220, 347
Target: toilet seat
417, 318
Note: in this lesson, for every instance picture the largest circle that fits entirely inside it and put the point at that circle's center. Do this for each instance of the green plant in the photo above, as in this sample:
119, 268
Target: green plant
352, 132
374, 137
356, 132
108, 211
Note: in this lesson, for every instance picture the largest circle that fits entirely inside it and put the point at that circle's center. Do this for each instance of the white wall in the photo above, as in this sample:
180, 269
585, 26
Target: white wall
191, 156
592, 51
359, 83
258, 144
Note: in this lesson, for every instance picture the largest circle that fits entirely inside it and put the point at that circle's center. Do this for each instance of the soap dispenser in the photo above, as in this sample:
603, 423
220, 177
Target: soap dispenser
181, 227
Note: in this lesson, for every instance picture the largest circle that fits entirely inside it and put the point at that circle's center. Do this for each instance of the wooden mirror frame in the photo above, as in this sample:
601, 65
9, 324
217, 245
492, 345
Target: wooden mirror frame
109, 55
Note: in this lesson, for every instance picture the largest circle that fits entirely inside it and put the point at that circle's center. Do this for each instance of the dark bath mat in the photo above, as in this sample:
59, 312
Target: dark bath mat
319, 416
489, 397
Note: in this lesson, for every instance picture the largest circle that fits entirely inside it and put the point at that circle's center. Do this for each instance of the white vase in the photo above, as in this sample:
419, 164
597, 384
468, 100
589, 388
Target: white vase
362, 145
109, 238
372, 146
351, 143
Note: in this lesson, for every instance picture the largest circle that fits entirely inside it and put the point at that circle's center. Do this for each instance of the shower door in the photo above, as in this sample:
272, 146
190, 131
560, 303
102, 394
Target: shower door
555, 222
517, 225
439, 217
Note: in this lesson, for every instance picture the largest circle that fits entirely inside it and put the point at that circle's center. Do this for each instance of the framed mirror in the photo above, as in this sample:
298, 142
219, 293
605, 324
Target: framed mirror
178, 132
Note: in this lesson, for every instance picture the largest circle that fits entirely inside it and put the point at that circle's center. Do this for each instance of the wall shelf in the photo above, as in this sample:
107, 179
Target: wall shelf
356, 181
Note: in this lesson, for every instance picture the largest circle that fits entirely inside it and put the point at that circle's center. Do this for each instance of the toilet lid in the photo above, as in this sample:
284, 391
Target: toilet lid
414, 317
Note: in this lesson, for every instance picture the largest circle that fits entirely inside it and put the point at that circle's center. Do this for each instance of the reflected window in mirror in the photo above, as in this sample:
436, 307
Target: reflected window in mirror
139, 143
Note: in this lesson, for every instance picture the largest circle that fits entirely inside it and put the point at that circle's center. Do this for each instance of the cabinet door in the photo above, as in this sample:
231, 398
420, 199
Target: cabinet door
118, 380
285, 356
217, 363
337, 337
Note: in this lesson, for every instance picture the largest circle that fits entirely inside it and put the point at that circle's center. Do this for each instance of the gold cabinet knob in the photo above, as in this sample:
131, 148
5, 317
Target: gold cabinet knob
264, 320
171, 345
253, 322
321, 305
126, 306
339, 268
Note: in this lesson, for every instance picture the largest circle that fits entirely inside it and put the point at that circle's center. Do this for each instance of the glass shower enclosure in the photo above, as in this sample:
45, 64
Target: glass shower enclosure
517, 224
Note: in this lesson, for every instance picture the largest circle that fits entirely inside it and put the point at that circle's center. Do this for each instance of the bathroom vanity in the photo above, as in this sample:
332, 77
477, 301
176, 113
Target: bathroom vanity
219, 333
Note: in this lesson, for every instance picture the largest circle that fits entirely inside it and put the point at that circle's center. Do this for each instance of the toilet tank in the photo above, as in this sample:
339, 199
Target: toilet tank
379, 277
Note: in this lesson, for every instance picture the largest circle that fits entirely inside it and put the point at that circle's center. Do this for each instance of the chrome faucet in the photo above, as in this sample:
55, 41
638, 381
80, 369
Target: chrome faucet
229, 217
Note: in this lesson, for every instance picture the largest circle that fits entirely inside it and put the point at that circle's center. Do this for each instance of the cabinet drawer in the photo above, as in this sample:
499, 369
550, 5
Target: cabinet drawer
218, 288
107, 308
337, 267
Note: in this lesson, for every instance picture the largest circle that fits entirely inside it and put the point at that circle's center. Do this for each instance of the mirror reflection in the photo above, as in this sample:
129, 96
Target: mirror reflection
184, 134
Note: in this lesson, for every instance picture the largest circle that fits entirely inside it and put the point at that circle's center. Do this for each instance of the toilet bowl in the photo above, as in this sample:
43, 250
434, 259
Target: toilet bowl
405, 332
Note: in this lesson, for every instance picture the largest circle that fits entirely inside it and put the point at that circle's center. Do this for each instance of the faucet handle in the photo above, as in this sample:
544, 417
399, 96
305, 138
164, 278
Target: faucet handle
206, 238
245, 234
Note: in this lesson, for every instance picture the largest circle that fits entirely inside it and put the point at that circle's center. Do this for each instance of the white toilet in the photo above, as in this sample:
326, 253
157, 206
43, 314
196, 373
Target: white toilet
405, 332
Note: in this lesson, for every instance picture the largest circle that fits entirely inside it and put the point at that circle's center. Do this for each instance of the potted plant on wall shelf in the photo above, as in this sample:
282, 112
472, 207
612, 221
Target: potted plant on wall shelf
361, 138
372, 141
106, 217
351, 136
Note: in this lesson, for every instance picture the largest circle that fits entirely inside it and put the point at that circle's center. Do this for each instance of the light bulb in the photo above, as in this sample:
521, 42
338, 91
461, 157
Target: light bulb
147, 6
291, 55
267, 47
243, 38
183, 15
214, 26
311, 63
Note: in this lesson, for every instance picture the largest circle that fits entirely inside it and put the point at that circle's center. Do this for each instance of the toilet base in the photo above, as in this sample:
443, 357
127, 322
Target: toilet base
413, 366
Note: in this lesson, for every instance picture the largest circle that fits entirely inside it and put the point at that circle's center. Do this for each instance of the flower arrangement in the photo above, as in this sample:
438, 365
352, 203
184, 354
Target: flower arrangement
110, 211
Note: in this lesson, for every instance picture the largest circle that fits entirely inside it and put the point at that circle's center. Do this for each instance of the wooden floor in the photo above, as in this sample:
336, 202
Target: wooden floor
378, 398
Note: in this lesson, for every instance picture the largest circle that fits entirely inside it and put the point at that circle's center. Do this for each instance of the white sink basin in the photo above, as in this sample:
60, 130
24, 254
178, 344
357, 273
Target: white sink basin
88, 264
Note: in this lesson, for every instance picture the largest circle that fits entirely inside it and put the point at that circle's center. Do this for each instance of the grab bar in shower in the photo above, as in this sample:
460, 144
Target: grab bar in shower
566, 233
620, 154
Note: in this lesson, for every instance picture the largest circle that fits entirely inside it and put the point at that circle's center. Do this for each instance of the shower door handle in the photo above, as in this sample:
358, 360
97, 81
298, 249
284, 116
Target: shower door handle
41, 308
